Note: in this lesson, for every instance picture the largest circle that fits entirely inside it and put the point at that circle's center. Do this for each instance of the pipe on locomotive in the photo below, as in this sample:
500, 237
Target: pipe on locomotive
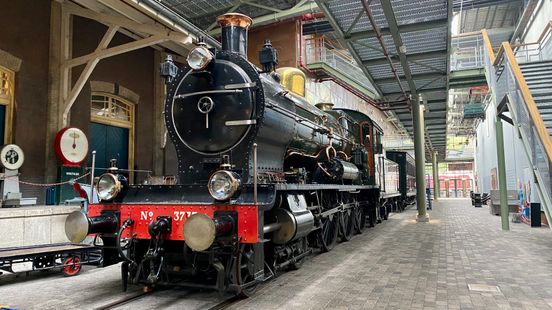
78, 225
234, 28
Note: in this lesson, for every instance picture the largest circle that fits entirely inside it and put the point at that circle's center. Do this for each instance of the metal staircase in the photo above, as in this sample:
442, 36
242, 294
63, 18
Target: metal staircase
521, 82
538, 76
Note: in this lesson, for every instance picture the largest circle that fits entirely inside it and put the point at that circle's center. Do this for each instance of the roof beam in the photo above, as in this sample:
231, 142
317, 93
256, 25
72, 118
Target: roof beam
425, 91
402, 29
424, 76
300, 8
411, 57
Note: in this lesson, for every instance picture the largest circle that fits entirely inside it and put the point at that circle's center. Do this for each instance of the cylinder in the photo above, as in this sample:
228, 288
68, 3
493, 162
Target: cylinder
78, 225
292, 225
234, 28
200, 230
350, 171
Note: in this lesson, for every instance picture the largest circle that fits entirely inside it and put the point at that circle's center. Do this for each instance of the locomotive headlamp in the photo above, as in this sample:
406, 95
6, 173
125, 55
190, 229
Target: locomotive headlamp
199, 58
224, 184
108, 186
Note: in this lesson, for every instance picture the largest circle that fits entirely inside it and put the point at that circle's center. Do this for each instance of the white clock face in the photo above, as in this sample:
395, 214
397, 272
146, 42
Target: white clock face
74, 145
11, 157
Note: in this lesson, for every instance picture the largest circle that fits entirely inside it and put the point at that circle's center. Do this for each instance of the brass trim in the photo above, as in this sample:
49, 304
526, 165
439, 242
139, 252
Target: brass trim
234, 19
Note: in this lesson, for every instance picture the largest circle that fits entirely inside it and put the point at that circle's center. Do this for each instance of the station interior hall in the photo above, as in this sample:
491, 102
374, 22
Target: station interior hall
275, 154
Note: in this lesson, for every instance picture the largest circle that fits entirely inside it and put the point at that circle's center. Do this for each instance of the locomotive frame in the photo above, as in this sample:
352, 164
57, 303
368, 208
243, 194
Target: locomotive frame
265, 178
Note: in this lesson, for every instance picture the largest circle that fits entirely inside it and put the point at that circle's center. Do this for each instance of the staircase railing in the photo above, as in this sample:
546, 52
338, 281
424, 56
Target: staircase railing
319, 50
507, 82
467, 51
535, 51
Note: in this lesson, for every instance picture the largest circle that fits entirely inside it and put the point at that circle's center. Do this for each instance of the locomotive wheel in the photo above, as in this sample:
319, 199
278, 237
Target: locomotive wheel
372, 218
71, 266
244, 269
328, 232
384, 213
359, 218
346, 227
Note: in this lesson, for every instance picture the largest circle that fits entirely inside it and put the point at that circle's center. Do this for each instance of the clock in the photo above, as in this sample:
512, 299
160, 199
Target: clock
71, 146
11, 157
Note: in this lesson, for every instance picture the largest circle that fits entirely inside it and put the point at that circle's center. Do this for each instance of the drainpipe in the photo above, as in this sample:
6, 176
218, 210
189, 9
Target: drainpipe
377, 31
166, 13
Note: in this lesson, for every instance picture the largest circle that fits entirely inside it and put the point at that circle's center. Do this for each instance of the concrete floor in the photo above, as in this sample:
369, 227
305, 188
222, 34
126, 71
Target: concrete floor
400, 264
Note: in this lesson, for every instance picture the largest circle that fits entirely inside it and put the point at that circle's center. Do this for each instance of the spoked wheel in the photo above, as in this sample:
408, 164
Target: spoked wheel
359, 218
71, 266
328, 233
346, 227
245, 266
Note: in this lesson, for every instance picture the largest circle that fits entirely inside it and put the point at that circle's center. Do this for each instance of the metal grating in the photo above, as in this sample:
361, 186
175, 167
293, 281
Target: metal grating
423, 37
488, 17
203, 13
424, 41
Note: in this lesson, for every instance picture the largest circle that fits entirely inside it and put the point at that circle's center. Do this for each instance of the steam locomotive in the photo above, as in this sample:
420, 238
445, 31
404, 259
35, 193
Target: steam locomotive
264, 177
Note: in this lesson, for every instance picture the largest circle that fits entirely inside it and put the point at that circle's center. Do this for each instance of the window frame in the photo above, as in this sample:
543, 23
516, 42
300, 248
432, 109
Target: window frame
111, 121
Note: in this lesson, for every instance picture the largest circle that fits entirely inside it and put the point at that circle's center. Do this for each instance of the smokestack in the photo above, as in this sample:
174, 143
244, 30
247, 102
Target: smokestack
234, 32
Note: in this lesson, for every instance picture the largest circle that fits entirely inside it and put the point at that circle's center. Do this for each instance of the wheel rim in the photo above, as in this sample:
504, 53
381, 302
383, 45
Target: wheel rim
72, 266
244, 276
347, 225
328, 233
359, 219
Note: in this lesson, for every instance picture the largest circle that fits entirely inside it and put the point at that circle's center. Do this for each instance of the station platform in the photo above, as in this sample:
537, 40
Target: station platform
34, 225
399, 264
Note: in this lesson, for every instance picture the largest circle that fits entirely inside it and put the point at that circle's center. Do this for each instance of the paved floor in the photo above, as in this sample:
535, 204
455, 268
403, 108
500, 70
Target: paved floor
407, 265
400, 264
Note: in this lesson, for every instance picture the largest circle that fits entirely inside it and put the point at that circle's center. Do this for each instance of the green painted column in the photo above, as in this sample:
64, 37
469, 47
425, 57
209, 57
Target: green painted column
502, 175
419, 153
436, 185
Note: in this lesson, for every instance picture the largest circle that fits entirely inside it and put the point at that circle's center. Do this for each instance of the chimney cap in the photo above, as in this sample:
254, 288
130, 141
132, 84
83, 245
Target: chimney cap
234, 19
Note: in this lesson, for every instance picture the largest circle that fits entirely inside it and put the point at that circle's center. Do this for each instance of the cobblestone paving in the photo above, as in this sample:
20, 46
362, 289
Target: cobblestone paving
402, 264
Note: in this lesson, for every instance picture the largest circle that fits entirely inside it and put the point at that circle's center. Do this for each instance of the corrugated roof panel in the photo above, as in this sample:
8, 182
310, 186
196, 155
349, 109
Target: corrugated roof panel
384, 70
392, 87
422, 41
428, 65
370, 48
430, 83
408, 11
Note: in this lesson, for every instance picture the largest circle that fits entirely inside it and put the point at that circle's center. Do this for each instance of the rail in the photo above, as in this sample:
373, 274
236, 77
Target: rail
467, 51
535, 51
506, 80
321, 51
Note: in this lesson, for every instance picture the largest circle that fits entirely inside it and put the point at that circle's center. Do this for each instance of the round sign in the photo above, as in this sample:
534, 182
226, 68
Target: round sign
71, 146
11, 157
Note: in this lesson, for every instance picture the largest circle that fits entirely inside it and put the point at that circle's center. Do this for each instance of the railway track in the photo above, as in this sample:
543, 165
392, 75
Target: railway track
124, 301
137, 298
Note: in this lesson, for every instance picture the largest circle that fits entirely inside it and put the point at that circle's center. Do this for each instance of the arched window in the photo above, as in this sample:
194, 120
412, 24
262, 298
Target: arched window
7, 78
112, 130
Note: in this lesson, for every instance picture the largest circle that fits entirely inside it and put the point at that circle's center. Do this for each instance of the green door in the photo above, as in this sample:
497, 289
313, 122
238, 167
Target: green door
2, 123
109, 142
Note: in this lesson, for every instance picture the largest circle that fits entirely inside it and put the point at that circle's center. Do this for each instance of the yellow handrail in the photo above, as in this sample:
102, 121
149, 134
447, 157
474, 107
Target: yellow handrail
528, 99
507, 52
487, 42
545, 31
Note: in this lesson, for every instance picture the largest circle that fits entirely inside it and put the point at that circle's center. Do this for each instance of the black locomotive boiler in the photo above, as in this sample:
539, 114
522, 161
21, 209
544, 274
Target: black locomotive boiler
264, 178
